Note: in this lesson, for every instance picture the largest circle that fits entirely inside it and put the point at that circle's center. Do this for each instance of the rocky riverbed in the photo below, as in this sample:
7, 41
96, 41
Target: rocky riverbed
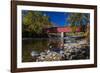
75, 51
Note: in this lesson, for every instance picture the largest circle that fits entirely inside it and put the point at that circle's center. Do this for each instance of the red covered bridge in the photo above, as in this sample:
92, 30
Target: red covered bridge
62, 29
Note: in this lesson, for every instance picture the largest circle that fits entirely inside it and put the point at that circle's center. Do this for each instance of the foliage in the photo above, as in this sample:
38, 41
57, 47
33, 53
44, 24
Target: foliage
78, 19
35, 21
74, 28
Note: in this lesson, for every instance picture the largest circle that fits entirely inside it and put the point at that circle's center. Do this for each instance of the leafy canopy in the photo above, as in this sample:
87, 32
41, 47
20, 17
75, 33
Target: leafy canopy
35, 21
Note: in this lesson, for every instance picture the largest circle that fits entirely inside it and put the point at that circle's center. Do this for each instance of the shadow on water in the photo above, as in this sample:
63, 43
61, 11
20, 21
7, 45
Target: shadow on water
36, 44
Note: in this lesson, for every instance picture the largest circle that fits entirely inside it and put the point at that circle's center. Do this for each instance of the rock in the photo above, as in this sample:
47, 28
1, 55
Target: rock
52, 56
41, 58
34, 53
42, 54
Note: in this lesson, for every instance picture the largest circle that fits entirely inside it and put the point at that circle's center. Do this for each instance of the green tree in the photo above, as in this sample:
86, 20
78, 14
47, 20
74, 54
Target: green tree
35, 22
78, 19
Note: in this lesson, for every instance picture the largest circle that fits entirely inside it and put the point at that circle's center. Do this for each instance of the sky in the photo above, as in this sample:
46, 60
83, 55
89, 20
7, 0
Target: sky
58, 18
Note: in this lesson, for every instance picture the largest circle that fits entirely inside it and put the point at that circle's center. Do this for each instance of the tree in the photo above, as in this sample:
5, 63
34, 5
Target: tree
35, 22
79, 19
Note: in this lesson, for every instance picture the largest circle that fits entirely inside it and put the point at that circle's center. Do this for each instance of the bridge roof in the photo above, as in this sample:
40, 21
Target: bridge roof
62, 29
